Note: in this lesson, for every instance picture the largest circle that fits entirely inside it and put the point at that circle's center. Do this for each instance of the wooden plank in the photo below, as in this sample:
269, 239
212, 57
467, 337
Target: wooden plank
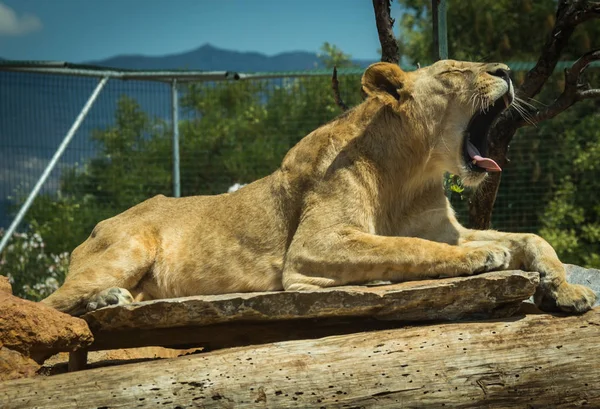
251, 318
528, 361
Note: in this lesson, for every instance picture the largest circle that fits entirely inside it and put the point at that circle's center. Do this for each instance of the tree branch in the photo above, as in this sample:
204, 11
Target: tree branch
588, 11
335, 86
574, 91
569, 14
389, 46
589, 94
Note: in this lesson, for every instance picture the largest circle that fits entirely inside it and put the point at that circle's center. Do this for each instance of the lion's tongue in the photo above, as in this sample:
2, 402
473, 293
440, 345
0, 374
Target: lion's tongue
486, 163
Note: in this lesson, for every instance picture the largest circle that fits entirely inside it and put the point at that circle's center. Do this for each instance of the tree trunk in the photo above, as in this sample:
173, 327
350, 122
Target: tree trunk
481, 204
385, 24
530, 361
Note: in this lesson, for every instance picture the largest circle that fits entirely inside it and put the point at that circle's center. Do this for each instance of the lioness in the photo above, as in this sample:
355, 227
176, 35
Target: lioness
358, 199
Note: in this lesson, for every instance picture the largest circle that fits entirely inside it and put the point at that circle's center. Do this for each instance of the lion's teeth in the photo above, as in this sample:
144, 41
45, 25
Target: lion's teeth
506, 100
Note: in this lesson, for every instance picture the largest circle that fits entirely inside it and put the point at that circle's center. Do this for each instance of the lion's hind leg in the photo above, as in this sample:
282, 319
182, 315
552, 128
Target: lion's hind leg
105, 270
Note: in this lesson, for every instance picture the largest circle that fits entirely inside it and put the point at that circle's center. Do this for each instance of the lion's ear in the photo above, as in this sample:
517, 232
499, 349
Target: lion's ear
383, 78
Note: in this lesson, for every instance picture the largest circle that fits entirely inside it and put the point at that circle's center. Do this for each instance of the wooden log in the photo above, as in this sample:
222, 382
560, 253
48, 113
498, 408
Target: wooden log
252, 318
528, 361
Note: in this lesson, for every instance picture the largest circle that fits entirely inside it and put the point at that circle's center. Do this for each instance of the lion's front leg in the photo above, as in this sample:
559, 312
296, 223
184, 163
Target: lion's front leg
343, 256
532, 253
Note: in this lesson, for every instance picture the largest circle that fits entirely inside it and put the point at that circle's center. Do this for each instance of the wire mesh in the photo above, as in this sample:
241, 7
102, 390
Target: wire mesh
230, 132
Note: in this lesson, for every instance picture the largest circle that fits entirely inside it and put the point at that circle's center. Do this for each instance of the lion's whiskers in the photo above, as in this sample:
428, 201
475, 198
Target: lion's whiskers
472, 100
525, 114
522, 102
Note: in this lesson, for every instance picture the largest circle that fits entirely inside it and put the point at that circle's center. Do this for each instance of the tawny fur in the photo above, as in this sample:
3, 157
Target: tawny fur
358, 199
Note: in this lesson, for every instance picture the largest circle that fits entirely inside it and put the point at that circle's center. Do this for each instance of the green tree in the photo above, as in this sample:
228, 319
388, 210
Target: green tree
488, 30
331, 56
571, 220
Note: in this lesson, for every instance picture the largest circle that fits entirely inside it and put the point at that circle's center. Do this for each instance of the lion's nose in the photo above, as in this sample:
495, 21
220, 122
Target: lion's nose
502, 72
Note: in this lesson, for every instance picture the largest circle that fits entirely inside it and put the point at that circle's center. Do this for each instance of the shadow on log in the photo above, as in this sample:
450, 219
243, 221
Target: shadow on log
528, 361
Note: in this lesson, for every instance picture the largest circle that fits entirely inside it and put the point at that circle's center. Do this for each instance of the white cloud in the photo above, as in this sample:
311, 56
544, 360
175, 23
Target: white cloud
21, 172
12, 24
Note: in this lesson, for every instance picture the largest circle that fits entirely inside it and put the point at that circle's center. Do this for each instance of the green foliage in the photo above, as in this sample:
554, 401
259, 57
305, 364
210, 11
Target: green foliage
571, 221
453, 184
489, 30
33, 271
331, 56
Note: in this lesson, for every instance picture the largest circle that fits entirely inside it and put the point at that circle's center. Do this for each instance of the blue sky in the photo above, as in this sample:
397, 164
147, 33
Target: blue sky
83, 30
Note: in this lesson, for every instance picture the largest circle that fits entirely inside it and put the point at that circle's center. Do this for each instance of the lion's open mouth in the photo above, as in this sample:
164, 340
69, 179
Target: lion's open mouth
476, 137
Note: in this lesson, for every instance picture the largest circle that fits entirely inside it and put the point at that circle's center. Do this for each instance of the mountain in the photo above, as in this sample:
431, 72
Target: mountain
210, 58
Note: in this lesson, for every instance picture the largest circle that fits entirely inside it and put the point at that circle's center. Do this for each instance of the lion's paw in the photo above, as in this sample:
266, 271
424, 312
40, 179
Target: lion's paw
572, 298
491, 257
110, 296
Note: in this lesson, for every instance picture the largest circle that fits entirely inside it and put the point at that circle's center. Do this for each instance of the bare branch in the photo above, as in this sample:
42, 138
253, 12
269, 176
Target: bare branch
569, 14
588, 11
389, 46
589, 94
335, 86
574, 90
573, 75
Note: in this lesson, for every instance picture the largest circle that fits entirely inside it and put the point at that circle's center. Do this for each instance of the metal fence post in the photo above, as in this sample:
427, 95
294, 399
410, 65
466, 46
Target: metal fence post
61, 148
440, 29
440, 44
175, 125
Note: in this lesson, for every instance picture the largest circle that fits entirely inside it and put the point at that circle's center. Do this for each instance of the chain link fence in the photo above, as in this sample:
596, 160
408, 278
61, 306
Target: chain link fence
230, 131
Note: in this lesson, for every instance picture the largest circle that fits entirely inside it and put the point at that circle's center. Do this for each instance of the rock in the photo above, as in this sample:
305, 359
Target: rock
14, 365
5, 285
586, 276
426, 300
38, 331
219, 321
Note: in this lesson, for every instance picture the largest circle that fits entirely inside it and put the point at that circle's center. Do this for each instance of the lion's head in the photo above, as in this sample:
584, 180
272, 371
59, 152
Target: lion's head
451, 105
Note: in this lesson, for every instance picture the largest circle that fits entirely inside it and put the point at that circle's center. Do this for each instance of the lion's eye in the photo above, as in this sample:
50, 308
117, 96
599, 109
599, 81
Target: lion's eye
452, 72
